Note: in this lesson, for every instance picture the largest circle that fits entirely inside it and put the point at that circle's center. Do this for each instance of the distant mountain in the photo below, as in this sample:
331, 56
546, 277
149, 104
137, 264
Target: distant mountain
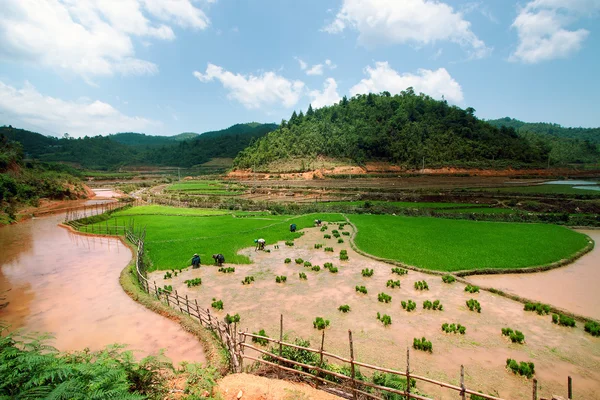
544, 128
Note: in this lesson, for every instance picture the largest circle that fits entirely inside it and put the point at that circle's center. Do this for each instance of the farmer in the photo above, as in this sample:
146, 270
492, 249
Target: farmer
196, 261
219, 259
260, 244
317, 222
293, 228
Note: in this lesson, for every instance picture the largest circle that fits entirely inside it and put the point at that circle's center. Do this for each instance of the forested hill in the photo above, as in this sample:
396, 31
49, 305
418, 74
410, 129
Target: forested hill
402, 129
589, 134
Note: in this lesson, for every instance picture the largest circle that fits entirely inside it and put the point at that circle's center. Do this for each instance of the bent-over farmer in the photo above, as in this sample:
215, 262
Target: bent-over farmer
196, 261
219, 259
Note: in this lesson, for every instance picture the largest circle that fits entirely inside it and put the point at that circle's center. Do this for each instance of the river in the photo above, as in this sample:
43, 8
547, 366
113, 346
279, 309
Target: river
68, 285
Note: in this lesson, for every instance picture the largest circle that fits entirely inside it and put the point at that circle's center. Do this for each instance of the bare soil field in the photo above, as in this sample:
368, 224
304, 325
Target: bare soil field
556, 351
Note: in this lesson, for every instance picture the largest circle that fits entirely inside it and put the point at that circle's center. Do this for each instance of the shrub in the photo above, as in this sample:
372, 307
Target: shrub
422, 344
320, 323
523, 368
217, 304
340, 240
294, 354
345, 308
408, 306
281, 279
593, 328
472, 289
326, 236
299, 261
307, 264
392, 284
393, 381
448, 279
328, 249
428, 305
343, 255
167, 276
193, 282
474, 305
346, 233
260, 341
384, 298
361, 289
248, 280
230, 319
316, 268
563, 320
385, 319
367, 272
541, 309
302, 275
287, 260
399, 271
318, 245
421, 285
226, 270
289, 243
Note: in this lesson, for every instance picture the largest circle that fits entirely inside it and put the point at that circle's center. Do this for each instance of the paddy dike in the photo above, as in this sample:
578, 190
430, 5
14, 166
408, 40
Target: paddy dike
557, 351
68, 285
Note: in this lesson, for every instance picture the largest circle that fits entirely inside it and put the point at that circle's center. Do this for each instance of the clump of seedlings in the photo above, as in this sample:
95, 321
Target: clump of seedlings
329, 249
345, 308
335, 233
384, 298
399, 271
302, 275
217, 304
340, 240
343, 255
226, 270
230, 319
361, 289
541, 309
280, 279
454, 328
326, 236
563, 320
523, 368
261, 341
436, 305
593, 328
289, 242
474, 305
323, 228
422, 344
392, 283
248, 280
515, 336
307, 264
287, 260
421, 285
320, 323
408, 306
472, 289
318, 245
385, 319
193, 282
346, 233
327, 265
448, 279
315, 268
165, 289
366, 272
332, 269
299, 261
168, 275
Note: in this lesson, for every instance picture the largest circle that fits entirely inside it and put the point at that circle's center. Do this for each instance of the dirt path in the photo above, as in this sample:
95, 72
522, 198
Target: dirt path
556, 351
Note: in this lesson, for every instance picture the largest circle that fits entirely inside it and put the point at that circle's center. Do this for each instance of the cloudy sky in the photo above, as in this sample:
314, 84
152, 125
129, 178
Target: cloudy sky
163, 67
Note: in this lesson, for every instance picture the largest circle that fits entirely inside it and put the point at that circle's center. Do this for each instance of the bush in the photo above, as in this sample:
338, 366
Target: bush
287, 260
408, 306
472, 289
448, 279
302, 275
593, 328
345, 308
318, 245
428, 305
307, 264
393, 381
289, 243
563, 320
294, 354
299, 261
422, 344
328, 249
384, 298
399, 271
392, 284
361, 289
193, 282
523, 368
315, 268
343, 255
385, 319
217, 304
541, 309
474, 305
260, 341
226, 270
281, 279
326, 236
248, 280
340, 240
421, 285
367, 272
320, 323
230, 319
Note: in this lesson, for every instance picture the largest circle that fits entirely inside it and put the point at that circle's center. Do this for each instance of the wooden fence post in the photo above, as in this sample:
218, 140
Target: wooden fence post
209, 318
352, 369
320, 357
156, 289
463, 394
534, 389
187, 303
280, 344
570, 387
177, 297
198, 311
408, 371
167, 297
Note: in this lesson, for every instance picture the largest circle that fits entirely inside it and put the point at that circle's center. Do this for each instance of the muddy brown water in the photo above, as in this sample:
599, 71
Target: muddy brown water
557, 351
573, 288
68, 285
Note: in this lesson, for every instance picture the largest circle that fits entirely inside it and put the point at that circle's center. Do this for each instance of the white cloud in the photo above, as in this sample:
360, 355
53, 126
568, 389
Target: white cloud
327, 97
90, 37
255, 91
541, 29
84, 117
420, 22
315, 70
330, 64
303, 65
436, 83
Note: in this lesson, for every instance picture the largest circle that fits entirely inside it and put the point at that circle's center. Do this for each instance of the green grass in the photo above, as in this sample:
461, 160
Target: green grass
164, 210
479, 210
541, 189
205, 187
453, 245
402, 204
172, 240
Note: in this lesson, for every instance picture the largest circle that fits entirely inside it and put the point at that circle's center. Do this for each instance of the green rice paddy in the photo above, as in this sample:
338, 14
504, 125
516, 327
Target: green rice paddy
542, 189
206, 187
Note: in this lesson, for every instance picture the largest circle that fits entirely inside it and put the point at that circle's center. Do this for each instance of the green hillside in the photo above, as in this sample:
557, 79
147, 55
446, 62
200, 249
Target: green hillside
402, 129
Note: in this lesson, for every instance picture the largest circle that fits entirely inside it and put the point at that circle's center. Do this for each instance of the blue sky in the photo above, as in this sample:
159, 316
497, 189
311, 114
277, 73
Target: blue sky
165, 67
